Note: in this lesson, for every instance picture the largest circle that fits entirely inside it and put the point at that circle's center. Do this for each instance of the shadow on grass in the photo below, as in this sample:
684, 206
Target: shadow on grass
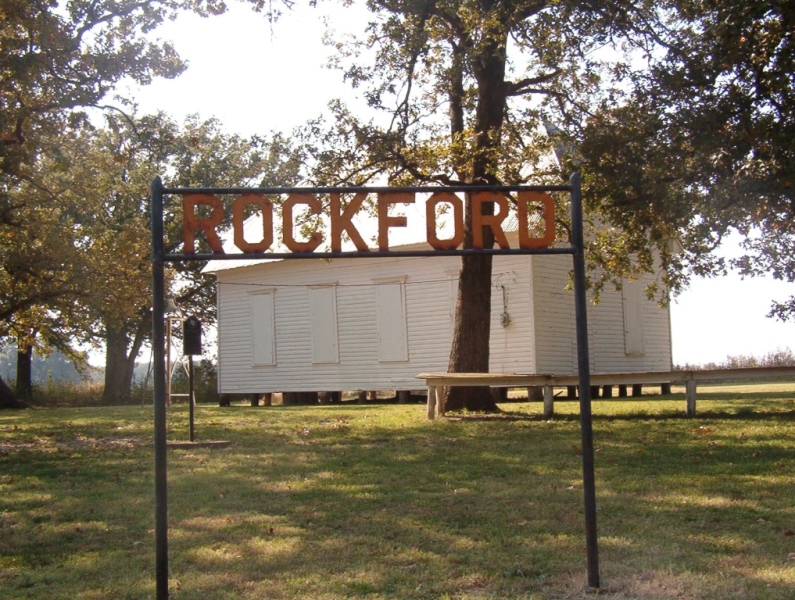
377, 502
745, 414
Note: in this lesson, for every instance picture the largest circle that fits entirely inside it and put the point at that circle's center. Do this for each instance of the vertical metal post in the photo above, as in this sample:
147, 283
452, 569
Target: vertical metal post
190, 394
159, 370
583, 361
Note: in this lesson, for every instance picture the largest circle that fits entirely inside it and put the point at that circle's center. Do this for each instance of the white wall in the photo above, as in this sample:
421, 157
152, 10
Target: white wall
607, 335
371, 354
394, 320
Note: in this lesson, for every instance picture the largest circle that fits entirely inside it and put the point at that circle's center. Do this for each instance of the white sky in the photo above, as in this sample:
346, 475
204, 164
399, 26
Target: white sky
256, 79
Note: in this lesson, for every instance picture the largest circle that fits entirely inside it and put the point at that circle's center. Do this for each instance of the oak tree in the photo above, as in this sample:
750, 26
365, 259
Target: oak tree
466, 91
56, 61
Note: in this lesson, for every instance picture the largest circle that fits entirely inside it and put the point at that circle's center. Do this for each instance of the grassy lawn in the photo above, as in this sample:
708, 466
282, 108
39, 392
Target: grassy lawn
363, 501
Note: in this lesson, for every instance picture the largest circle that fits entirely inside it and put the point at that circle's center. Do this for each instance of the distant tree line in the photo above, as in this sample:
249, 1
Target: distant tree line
777, 358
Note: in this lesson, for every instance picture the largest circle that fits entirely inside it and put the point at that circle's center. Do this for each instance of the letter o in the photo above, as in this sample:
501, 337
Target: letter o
458, 221
238, 217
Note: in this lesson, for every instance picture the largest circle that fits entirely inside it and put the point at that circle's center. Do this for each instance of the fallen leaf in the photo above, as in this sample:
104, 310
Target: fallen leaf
789, 533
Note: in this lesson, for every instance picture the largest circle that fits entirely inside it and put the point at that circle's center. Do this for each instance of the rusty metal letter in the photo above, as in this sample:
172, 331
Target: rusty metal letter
342, 222
239, 215
525, 241
191, 222
458, 221
315, 238
492, 221
384, 220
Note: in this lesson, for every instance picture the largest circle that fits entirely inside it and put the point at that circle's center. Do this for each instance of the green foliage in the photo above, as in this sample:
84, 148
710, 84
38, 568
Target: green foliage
56, 61
91, 187
680, 115
205, 382
701, 145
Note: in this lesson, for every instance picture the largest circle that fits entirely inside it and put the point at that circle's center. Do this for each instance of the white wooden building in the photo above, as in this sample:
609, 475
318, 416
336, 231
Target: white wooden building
375, 323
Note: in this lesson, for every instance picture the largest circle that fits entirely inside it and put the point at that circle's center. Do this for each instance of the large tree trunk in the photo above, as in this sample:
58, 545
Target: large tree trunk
470, 348
120, 357
119, 365
24, 384
8, 399
117, 388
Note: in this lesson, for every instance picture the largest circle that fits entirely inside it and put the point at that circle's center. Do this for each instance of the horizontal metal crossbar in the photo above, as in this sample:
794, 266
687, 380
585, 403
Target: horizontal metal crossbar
355, 189
370, 254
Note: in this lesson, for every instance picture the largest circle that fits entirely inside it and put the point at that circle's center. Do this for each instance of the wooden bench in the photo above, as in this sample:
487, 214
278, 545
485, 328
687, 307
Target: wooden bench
436, 381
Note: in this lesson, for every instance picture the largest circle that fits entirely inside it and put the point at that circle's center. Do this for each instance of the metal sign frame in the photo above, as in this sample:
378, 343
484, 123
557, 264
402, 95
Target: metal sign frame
160, 258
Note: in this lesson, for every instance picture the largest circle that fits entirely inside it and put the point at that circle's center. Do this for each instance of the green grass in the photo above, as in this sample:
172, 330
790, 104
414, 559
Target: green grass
362, 501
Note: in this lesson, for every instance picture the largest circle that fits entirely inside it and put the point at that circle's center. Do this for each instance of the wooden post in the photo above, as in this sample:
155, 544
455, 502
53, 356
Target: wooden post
362, 396
571, 392
607, 391
637, 390
404, 396
431, 402
690, 387
549, 402
665, 388
622, 391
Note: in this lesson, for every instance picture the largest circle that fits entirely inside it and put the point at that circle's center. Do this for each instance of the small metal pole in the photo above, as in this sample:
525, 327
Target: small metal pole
169, 370
190, 394
159, 382
583, 361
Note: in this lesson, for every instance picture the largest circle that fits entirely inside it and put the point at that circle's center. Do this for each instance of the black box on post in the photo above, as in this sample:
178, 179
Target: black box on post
192, 337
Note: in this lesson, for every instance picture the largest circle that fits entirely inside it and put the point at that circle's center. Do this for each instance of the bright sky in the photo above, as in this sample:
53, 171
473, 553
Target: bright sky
256, 79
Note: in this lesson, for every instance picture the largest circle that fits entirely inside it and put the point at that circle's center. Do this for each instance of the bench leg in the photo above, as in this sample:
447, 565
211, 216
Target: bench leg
690, 387
431, 402
549, 402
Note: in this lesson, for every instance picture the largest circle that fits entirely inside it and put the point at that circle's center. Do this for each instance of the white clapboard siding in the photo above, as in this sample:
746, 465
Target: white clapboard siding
650, 341
556, 325
369, 324
365, 358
